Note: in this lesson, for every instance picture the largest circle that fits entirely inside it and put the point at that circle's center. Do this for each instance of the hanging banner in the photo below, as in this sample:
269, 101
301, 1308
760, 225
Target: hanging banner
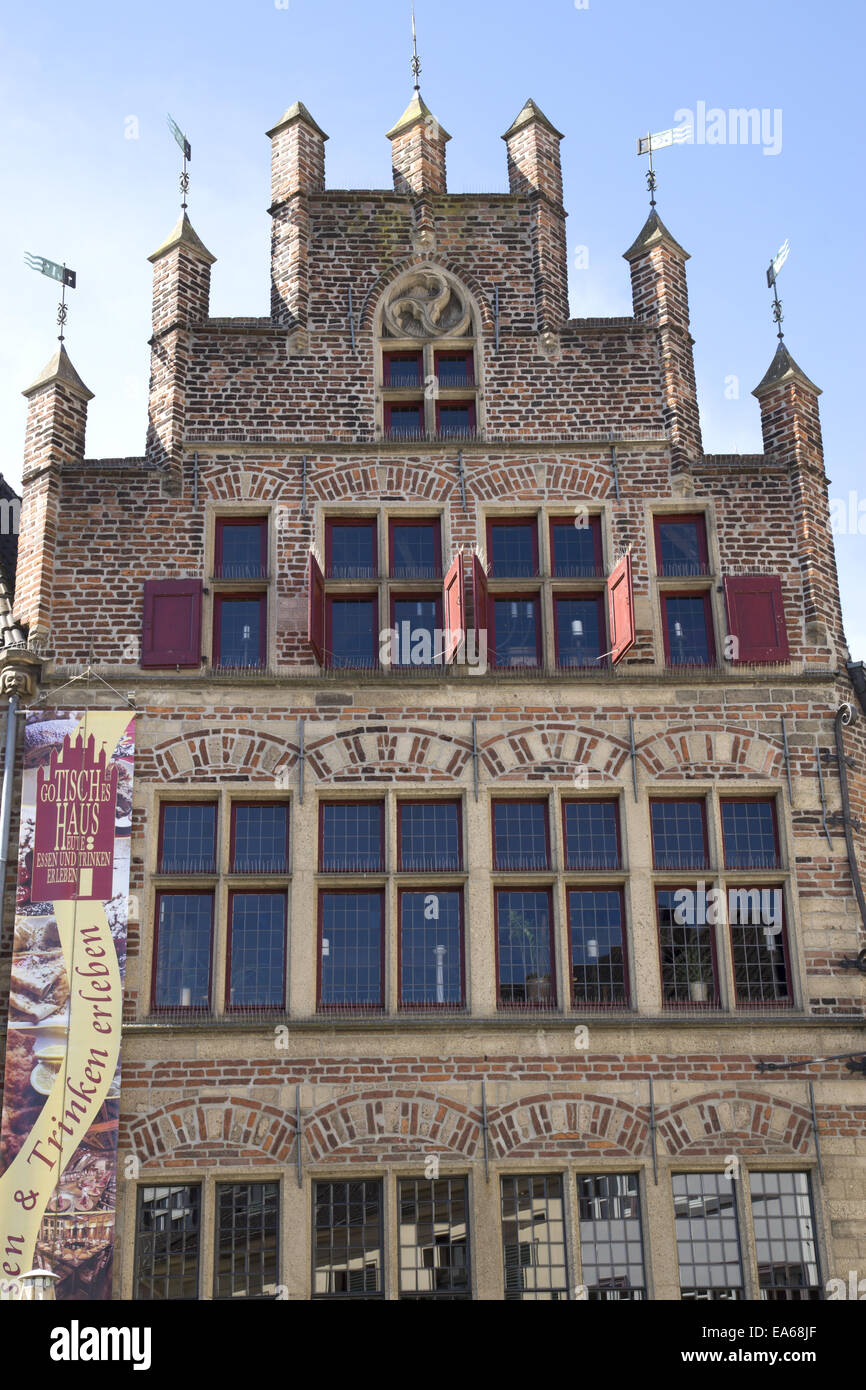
61, 1102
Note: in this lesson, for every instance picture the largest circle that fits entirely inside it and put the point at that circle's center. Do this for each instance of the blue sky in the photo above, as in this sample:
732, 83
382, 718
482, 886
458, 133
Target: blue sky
77, 188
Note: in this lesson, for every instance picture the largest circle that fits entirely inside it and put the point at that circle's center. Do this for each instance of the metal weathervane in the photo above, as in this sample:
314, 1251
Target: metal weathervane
678, 135
416, 61
187, 156
54, 272
772, 271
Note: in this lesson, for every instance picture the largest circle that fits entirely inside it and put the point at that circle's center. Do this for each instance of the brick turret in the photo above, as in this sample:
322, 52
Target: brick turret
535, 171
660, 295
791, 428
181, 300
56, 421
297, 170
418, 150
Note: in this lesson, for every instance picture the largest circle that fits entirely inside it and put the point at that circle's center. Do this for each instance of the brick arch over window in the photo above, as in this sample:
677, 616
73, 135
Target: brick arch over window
725, 752
557, 752
433, 481
385, 1123
562, 1125
738, 1122
261, 756
552, 480
370, 309
386, 753
223, 1130
234, 483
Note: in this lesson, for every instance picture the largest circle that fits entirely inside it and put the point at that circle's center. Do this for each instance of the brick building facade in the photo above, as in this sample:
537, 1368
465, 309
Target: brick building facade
421, 996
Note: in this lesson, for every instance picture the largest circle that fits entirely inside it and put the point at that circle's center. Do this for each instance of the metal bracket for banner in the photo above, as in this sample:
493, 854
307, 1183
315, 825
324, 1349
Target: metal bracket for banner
303, 485
633, 754
351, 319
496, 319
301, 757
299, 1135
615, 471
823, 798
88, 674
815, 1131
195, 479
475, 754
787, 760
462, 478
653, 1128
484, 1128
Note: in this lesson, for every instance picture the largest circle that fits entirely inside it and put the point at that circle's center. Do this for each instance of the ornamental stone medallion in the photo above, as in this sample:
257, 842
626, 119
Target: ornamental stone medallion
426, 305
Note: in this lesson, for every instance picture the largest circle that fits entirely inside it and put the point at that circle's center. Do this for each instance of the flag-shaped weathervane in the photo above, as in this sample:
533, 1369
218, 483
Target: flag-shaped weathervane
678, 135
772, 271
54, 271
186, 147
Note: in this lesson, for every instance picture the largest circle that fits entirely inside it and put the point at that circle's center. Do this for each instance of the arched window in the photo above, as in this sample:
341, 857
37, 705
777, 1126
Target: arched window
428, 358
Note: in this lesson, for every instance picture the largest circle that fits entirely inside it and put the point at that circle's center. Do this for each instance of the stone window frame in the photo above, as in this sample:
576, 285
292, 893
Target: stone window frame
385, 587
429, 344
706, 585
546, 585
214, 586
220, 884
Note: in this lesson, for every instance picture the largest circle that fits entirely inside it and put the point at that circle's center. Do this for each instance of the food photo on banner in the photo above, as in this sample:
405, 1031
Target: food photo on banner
58, 1130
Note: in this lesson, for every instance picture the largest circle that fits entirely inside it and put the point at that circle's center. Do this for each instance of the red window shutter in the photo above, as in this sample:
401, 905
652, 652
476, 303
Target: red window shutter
620, 608
454, 608
172, 623
316, 610
756, 617
479, 594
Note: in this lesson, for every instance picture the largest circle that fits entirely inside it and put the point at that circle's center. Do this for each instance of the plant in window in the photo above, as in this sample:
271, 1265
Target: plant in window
688, 969
522, 936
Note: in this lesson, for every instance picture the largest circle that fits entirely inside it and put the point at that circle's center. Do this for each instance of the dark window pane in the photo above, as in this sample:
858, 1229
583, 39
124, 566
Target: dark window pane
351, 949
188, 839
523, 921
353, 632
454, 369
404, 421
516, 631
167, 1243
183, 950
246, 1254
575, 549
597, 957
533, 1239
347, 1236
591, 840
241, 549
758, 946
678, 835
429, 836
520, 835
241, 631
260, 839
351, 550
708, 1246
611, 1246
688, 973
415, 551
579, 632
258, 949
513, 550
430, 947
434, 1238
455, 418
785, 1243
352, 837
402, 369
750, 835
680, 548
418, 636
687, 632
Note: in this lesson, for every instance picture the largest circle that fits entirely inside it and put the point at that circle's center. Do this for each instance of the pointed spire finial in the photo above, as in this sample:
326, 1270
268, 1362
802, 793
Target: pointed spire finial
416, 61
772, 271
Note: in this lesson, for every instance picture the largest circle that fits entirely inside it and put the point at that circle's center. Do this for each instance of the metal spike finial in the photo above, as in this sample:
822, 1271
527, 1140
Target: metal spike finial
416, 61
